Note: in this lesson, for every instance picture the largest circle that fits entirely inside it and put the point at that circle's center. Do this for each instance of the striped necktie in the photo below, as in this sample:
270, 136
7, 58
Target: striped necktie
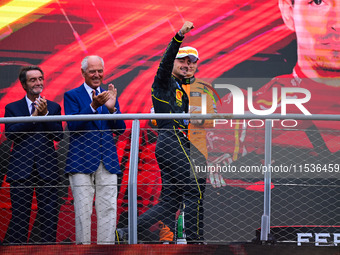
99, 109
32, 108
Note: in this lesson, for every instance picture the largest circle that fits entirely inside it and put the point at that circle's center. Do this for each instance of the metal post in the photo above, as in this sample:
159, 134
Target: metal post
265, 220
132, 183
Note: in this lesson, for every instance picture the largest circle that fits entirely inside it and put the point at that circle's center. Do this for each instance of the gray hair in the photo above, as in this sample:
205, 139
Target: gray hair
84, 63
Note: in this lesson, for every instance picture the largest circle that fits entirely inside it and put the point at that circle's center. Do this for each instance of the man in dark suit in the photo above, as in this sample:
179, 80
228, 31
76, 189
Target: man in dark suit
92, 162
33, 161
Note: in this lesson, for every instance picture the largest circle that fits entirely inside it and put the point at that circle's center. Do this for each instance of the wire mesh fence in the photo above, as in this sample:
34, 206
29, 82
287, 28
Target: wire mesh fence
219, 190
304, 196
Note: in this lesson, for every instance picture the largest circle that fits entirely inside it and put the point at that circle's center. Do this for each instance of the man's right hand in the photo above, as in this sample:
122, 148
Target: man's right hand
100, 99
187, 26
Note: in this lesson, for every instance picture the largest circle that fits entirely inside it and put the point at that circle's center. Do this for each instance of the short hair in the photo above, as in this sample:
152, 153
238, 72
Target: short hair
85, 64
23, 71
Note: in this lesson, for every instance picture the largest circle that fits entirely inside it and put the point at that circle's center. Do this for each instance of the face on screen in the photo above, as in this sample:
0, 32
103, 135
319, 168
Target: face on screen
192, 69
317, 27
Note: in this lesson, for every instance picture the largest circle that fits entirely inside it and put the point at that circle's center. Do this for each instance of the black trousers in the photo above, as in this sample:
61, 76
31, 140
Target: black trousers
21, 192
180, 184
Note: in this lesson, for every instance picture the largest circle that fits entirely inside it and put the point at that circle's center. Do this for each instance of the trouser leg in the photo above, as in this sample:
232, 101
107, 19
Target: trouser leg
83, 191
106, 205
48, 210
175, 174
193, 196
193, 209
21, 199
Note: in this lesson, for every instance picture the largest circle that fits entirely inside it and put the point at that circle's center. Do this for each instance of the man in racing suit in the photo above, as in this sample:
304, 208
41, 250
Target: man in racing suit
195, 88
173, 147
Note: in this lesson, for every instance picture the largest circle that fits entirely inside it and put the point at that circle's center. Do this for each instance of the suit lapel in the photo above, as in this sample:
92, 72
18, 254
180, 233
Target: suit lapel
84, 96
23, 107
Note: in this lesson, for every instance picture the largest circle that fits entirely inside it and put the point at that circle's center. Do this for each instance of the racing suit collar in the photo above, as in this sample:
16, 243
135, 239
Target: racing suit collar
179, 81
187, 81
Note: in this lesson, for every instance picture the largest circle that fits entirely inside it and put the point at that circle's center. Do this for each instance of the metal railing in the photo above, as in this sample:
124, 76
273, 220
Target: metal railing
134, 153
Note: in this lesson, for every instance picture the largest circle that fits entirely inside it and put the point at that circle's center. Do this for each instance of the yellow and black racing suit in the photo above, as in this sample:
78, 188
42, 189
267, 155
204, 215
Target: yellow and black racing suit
173, 152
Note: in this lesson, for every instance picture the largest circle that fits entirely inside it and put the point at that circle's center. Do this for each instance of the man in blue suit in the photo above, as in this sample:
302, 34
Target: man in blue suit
33, 160
92, 162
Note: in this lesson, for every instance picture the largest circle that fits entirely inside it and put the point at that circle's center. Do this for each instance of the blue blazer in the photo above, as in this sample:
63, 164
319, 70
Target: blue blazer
31, 146
90, 141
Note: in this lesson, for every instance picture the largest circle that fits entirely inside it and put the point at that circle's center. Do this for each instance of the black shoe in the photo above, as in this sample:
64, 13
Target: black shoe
123, 235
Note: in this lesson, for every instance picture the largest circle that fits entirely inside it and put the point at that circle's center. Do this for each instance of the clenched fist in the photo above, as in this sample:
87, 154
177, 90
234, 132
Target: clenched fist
187, 26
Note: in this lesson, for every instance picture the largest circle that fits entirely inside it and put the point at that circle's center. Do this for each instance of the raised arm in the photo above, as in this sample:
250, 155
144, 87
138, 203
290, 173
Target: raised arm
165, 67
